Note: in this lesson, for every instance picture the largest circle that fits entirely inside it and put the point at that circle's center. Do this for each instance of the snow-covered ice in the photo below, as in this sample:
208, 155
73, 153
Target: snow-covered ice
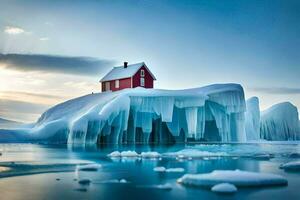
168, 170
280, 122
150, 154
211, 113
129, 154
224, 188
293, 166
159, 169
193, 153
235, 177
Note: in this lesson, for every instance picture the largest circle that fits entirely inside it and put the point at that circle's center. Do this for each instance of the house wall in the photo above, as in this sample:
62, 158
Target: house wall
148, 79
124, 83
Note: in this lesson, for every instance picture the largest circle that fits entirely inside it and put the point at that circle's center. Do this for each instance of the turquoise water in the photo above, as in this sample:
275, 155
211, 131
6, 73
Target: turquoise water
33, 171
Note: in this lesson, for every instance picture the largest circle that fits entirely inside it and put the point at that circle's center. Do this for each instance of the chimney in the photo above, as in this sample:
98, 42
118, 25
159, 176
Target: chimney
125, 64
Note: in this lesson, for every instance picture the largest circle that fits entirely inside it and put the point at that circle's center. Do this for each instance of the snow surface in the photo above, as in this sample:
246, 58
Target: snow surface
252, 119
236, 177
280, 122
212, 113
294, 165
224, 188
168, 170
193, 153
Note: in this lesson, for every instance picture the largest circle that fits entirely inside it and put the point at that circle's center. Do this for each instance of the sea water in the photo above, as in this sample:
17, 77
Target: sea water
40, 171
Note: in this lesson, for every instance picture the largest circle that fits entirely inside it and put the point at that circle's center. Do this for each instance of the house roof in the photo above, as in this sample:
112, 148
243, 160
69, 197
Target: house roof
121, 72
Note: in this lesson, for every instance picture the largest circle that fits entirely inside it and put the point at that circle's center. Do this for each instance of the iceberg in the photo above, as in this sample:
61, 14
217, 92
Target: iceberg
280, 122
252, 119
235, 177
139, 115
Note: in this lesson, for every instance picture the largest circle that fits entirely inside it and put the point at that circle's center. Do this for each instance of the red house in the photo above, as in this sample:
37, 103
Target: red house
128, 76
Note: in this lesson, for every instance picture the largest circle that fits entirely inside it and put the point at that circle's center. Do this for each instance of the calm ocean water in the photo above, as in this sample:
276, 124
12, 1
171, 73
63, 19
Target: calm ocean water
48, 172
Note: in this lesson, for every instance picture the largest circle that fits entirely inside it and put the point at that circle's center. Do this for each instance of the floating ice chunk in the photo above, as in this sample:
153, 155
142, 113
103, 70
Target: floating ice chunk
114, 181
175, 170
224, 188
163, 169
293, 166
159, 169
236, 177
193, 153
129, 154
166, 186
150, 154
88, 167
123, 181
114, 154
84, 181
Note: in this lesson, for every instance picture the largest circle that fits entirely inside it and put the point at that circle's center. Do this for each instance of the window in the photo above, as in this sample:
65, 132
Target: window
142, 82
142, 73
117, 83
107, 86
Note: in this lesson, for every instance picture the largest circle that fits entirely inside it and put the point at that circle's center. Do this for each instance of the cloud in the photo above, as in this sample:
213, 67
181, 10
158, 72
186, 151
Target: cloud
13, 30
44, 39
52, 63
20, 110
276, 90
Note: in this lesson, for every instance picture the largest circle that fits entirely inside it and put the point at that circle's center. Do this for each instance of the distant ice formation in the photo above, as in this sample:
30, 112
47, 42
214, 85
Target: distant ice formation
252, 119
235, 177
280, 122
211, 113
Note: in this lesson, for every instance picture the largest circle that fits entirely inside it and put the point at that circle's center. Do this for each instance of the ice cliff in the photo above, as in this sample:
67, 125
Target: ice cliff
280, 122
252, 119
211, 113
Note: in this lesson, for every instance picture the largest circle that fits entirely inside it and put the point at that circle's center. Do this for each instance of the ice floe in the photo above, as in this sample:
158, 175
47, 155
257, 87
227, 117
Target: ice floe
224, 188
235, 177
193, 153
169, 170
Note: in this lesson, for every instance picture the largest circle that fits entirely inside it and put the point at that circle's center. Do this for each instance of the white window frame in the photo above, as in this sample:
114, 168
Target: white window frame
107, 86
142, 82
142, 73
117, 84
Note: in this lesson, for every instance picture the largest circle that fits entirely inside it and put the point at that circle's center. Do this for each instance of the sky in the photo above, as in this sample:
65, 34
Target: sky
52, 51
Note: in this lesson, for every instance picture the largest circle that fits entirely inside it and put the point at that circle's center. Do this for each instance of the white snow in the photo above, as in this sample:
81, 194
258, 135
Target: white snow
159, 169
120, 72
123, 154
224, 188
252, 119
176, 170
150, 154
280, 122
212, 113
168, 170
193, 153
236, 177
294, 165
114, 154
129, 154
88, 167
